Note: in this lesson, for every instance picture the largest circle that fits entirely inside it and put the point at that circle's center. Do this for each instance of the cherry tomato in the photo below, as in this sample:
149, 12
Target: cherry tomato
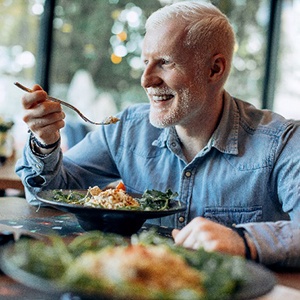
121, 186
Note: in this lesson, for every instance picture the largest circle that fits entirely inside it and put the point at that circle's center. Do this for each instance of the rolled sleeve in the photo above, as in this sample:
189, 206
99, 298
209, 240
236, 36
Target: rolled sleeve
276, 242
36, 172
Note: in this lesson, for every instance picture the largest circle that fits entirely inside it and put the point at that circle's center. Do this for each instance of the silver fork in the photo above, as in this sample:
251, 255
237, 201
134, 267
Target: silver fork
107, 121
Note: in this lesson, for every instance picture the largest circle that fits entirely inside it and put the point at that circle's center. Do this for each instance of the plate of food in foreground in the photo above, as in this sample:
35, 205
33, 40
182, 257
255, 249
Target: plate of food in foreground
101, 265
112, 210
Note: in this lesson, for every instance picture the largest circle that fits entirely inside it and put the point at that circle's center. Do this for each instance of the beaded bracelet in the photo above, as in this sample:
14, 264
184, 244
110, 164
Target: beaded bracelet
42, 145
241, 232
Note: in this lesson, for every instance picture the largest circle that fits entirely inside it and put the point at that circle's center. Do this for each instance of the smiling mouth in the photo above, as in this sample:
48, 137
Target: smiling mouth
160, 94
158, 98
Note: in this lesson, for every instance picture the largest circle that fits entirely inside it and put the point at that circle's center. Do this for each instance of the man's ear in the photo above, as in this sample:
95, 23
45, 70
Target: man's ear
218, 67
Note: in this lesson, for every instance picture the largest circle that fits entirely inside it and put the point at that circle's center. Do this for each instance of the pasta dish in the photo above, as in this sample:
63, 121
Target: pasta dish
111, 198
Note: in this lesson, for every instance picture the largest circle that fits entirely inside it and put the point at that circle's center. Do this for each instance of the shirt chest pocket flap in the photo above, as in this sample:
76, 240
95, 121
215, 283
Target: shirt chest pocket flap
233, 215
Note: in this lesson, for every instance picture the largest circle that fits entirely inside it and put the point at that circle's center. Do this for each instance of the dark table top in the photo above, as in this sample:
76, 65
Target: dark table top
8, 178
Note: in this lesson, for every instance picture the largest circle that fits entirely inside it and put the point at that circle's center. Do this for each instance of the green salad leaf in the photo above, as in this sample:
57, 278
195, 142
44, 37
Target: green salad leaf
71, 197
157, 200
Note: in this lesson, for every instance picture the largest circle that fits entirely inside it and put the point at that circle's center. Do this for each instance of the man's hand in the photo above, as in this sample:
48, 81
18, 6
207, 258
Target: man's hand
43, 117
203, 233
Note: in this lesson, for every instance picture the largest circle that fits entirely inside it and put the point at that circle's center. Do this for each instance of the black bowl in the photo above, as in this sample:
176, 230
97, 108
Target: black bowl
121, 221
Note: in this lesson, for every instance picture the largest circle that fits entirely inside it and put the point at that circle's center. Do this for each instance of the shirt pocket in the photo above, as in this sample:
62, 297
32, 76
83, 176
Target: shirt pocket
233, 215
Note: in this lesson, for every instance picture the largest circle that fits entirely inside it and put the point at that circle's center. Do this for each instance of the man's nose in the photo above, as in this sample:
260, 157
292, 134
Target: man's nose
150, 77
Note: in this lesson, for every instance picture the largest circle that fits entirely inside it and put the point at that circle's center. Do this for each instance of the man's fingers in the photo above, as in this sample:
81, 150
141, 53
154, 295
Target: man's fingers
30, 100
174, 233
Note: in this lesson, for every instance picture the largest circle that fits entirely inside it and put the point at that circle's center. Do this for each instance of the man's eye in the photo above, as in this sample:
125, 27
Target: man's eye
165, 62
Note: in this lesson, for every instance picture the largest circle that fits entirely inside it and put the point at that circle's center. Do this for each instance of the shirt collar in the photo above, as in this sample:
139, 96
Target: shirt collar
162, 139
225, 137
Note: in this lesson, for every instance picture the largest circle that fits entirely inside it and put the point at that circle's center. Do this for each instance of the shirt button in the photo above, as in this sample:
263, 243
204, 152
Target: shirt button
188, 174
181, 219
173, 144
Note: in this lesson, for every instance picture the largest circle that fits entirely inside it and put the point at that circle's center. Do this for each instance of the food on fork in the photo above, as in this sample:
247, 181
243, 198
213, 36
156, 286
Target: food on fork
111, 120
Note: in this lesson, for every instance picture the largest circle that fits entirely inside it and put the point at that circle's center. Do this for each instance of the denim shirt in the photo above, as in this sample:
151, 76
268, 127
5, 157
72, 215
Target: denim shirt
247, 175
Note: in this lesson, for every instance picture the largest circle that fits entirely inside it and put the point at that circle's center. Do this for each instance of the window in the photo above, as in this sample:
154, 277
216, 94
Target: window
19, 25
250, 20
96, 54
287, 93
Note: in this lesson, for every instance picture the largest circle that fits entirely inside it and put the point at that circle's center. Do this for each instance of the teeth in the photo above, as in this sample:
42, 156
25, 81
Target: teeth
161, 97
160, 94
